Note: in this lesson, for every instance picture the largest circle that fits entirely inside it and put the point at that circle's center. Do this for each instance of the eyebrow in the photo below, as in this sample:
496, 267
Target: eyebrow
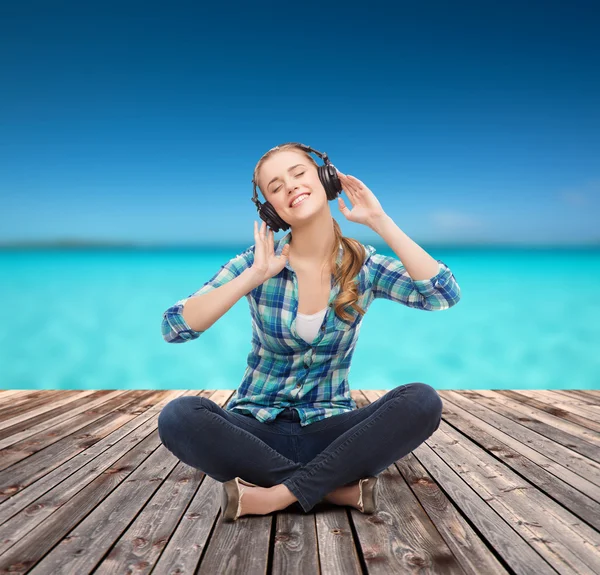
289, 170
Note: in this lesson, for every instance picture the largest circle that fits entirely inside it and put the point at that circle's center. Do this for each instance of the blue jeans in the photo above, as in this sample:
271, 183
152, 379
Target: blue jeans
310, 461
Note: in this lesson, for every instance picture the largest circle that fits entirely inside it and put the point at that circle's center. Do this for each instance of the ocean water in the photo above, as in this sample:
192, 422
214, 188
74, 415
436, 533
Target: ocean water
90, 319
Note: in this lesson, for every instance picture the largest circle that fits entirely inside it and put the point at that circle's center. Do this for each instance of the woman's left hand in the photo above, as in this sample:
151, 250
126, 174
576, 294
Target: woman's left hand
365, 206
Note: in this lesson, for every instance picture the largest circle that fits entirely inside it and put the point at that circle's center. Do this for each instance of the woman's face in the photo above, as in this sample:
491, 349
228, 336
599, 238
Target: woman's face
284, 176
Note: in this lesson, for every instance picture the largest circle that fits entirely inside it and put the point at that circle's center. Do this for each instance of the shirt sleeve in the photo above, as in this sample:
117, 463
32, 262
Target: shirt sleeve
174, 327
390, 280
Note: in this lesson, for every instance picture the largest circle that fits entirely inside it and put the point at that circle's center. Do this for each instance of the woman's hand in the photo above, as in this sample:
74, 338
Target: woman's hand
266, 263
365, 206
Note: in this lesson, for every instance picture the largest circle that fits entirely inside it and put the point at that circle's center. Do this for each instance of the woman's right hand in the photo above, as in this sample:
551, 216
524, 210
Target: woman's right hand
266, 263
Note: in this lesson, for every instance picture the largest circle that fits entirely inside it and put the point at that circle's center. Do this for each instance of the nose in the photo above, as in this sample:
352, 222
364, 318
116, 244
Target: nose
292, 186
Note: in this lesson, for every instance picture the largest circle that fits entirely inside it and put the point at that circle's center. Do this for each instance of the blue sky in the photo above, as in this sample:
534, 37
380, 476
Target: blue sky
472, 122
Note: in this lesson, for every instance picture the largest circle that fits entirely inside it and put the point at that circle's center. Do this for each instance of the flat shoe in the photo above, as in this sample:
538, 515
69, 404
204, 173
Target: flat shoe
231, 498
367, 500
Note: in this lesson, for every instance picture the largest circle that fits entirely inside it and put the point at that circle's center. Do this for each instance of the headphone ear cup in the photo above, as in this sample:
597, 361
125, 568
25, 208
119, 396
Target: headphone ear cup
271, 217
330, 181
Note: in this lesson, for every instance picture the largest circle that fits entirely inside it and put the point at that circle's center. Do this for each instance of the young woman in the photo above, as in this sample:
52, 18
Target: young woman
292, 429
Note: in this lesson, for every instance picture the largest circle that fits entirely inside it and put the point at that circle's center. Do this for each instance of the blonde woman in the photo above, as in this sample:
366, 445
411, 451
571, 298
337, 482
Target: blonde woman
292, 432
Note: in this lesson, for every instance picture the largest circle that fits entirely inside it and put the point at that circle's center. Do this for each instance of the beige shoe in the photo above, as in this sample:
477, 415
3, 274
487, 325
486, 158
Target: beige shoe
367, 500
231, 498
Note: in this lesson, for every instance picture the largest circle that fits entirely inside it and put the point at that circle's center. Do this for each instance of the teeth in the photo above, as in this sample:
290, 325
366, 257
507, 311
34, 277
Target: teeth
299, 199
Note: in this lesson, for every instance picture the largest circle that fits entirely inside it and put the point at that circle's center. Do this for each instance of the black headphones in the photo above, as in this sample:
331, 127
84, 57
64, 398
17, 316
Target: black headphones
328, 177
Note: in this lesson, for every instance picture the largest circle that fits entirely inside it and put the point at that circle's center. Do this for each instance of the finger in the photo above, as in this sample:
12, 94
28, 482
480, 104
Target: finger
352, 190
343, 180
258, 236
351, 183
270, 242
350, 193
356, 182
347, 183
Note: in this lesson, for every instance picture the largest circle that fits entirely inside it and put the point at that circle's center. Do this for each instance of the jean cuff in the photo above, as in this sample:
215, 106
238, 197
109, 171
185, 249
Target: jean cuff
291, 485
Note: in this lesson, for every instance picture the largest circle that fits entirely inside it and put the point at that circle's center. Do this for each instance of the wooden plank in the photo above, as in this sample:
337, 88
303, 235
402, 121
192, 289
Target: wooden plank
241, 546
189, 538
19, 428
584, 441
295, 542
525, 433
125, 504
18, 396
25, 404
464, 543
400, 523
14, 394
572, 412
337, 548
559, 398
554, 533
185, 490
570, 398
575, 535
126, 492
511, 548
26, 448
31, 461
587, 395
482, 425
74, 499
560, 405
43, 497
548, 476
66, 401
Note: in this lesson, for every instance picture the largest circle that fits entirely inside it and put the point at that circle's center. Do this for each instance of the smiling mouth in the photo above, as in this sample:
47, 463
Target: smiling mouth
306, 196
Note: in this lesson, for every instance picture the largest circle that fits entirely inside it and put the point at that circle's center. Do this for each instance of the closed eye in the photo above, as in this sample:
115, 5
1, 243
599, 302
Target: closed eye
299, 174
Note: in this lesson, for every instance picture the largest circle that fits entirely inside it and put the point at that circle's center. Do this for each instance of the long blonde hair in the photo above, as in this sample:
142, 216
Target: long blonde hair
353, 251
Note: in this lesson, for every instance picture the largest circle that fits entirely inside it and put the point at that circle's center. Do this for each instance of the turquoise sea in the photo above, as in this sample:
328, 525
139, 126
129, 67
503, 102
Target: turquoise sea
90, 319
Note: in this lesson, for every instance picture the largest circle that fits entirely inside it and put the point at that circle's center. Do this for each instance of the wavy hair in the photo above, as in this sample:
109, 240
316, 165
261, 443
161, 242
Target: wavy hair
353, 251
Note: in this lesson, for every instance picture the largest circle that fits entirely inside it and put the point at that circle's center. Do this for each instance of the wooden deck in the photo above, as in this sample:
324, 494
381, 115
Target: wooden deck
509, 483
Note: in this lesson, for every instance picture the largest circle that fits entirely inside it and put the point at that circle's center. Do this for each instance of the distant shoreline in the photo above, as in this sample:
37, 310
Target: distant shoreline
133, 246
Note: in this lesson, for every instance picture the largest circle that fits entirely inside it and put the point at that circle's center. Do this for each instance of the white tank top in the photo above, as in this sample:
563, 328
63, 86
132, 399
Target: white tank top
308, 326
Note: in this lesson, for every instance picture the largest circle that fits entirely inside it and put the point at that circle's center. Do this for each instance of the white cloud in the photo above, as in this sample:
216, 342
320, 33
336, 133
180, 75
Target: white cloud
574, 198
581, 196
454, 220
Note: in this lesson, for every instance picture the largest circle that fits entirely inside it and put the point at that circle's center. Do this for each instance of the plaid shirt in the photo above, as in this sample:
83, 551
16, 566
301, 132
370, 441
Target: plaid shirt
283, 369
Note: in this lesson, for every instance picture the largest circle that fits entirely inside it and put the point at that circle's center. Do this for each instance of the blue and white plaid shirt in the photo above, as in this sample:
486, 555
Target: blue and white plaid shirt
283, 369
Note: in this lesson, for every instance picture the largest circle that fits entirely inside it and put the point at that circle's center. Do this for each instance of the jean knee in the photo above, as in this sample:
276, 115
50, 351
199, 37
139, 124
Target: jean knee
174, 415
430, 402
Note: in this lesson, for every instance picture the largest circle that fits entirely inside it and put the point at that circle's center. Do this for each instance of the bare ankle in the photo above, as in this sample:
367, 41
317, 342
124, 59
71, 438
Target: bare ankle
281, 496
346, 495
265, 500
255, 500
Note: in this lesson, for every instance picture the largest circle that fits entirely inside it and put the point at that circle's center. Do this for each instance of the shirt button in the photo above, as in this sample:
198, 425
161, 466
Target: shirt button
322, 328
